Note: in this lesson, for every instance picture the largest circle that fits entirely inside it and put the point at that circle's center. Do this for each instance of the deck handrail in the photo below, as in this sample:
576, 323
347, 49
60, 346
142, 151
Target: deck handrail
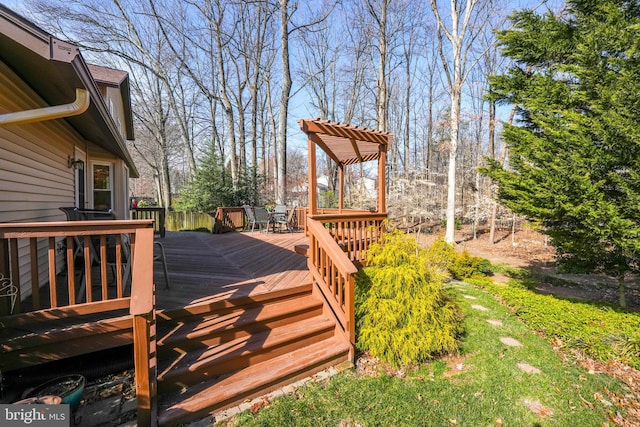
228, 218
157, 213
69, 232
353, 231
140, 303
334, 275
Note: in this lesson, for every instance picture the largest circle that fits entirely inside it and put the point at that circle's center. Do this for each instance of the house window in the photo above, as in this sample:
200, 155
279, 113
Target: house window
102, 186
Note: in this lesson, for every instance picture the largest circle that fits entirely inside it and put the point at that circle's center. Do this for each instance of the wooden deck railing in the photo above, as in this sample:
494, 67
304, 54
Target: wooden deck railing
228, 219
158, 214
354, 231
35, 247
337, 243
334, 275
233, 219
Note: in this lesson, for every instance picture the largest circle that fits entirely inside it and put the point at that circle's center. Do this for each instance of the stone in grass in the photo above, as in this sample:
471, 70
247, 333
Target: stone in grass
511, 342
494, 322
470, 297
479, 307
528, 368
538, 408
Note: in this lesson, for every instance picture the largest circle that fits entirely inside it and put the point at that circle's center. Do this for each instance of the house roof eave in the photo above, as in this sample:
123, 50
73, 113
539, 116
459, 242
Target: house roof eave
33, 53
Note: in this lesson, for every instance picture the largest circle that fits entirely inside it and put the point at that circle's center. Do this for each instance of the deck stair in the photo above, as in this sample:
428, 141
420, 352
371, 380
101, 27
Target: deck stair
31, 339
213, 356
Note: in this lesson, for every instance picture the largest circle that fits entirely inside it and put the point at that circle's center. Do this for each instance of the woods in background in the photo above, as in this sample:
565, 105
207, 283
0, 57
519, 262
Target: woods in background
226, 80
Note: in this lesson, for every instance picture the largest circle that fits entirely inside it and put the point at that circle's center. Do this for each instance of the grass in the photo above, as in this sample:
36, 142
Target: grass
486, 388
599, 330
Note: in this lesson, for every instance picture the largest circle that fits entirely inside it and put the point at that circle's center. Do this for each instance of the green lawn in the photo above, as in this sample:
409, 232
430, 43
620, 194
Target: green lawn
486, 388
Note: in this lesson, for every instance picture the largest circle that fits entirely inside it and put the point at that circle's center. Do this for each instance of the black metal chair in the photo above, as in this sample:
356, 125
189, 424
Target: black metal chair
75, 214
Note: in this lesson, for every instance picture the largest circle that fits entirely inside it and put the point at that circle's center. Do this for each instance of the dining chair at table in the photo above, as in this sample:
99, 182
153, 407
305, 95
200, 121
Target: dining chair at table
158, 255
279, 217
112, 243
256, 216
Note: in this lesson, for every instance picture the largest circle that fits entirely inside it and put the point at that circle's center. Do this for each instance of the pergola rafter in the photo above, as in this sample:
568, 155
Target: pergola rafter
345, 145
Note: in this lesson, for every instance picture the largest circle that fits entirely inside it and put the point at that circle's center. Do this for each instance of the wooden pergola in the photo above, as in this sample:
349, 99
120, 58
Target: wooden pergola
345, 145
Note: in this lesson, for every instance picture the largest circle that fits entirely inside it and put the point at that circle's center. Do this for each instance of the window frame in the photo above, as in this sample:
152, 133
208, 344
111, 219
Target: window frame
111, 188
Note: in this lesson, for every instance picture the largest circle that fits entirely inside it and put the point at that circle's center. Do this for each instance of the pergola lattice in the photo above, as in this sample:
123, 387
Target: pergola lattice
346, 145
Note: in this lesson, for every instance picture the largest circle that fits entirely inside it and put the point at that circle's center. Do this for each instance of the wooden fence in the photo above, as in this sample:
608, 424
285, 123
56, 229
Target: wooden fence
184, 220
224, 219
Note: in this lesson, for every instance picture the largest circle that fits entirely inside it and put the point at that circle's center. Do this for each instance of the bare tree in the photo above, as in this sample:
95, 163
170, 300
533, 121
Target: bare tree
379, 12
109, 27
285, 94
460, 36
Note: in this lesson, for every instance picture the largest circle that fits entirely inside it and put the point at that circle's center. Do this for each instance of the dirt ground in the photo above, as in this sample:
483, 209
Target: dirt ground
531, 250
526, 248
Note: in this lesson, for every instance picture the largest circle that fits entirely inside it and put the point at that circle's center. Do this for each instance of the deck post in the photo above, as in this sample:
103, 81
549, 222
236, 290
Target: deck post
145, 369
382, 179
144, 337
341, 188
313, 181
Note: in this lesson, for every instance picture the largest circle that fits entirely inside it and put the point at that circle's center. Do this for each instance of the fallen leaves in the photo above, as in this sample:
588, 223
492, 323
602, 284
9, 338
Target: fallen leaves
538, 408
260, 404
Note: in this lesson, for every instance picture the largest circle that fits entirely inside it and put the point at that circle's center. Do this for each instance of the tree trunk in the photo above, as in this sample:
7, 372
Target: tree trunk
455, 78
492, 221
281, 192
407, 112
382, 68
622, 299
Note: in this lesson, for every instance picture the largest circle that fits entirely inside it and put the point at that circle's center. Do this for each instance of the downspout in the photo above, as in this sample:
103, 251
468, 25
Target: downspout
75, 108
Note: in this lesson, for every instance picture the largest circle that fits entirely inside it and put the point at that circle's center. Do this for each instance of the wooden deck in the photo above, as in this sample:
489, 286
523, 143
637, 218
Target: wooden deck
243, 315
206, 267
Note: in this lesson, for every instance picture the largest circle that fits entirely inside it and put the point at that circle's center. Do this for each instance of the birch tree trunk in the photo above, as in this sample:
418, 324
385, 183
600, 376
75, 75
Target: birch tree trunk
454, 68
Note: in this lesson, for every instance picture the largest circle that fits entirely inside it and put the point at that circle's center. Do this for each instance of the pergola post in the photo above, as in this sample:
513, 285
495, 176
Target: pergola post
341, 189
382, 179
313, 180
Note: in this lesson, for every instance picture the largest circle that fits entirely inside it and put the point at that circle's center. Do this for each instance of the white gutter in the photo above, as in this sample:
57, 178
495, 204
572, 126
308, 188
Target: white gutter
75, 108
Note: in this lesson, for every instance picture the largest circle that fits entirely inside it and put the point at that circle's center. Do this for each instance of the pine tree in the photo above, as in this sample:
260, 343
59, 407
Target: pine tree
211, 187
574, 159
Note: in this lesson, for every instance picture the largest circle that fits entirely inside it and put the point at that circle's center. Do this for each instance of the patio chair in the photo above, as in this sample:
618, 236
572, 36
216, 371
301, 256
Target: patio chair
257, 215
280, 218
75, 214
126, 246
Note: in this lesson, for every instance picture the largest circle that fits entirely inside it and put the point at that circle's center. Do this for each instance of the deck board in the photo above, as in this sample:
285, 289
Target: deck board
205, 267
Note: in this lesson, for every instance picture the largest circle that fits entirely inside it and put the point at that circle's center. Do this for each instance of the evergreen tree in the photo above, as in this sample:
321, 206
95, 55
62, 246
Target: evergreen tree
574, 156
211, 187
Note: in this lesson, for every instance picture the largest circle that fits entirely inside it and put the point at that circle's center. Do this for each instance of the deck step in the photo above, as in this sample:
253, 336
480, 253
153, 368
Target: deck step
302, 249
234, 302
217, 353
33, 348
257, 379
210, 330
188, 368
